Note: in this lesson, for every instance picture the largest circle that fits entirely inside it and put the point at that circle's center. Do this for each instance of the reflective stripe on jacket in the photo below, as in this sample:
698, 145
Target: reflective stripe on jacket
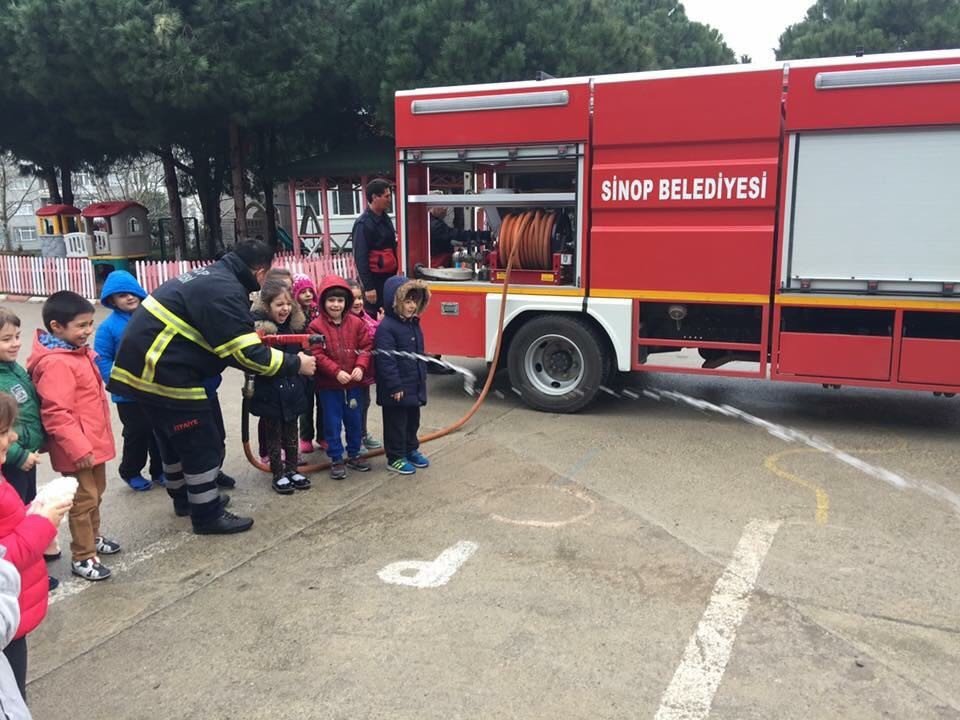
190, 329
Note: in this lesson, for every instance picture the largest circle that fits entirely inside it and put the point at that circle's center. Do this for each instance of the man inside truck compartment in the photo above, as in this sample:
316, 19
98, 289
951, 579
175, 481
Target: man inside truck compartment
443, 238
375, 244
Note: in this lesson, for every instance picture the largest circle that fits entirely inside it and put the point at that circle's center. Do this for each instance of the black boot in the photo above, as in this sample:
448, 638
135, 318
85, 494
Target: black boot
181, 506
225, 481
182, 509
225, 524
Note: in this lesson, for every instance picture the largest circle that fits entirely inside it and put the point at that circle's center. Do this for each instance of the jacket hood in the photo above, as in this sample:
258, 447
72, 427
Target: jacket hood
397, 288
120, 281
329, 283
41, 351
296, 321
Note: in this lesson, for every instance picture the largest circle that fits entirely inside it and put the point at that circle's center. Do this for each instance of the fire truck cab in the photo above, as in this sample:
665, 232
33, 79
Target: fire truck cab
793, 222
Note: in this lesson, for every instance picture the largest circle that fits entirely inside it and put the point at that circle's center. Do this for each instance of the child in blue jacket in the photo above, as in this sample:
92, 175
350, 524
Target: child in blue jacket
123, 293
402, 381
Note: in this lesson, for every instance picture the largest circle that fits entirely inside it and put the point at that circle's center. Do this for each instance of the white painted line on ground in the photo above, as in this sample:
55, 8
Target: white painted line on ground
690, 693
429, 573
124, 563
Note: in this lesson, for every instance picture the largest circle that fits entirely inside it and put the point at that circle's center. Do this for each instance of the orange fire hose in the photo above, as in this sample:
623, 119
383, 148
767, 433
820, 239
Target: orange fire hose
514, 247
527, 235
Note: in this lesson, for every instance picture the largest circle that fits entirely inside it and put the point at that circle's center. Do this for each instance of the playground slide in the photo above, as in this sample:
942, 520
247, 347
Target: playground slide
286, 242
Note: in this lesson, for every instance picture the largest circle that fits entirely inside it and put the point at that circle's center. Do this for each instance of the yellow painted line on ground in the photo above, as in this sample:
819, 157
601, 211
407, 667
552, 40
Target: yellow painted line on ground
822, 516
823, 500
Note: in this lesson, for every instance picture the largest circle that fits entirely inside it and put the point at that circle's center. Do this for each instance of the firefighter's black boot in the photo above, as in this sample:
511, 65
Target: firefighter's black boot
225, 524
181, 507
225, 481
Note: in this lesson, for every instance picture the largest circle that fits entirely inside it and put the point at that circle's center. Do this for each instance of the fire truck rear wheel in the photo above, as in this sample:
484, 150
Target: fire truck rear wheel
557, 363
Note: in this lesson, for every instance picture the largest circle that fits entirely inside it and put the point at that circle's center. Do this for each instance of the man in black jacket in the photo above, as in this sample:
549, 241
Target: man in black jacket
375, 244
188, 330
443, 238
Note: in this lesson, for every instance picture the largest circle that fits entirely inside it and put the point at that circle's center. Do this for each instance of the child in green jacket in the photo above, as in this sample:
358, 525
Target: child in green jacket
20, 468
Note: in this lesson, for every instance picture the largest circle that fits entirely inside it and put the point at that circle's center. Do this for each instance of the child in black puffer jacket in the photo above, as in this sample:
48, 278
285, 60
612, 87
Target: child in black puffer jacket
279, 401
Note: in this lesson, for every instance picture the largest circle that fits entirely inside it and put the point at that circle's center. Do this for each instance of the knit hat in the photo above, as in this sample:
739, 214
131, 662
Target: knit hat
300, 283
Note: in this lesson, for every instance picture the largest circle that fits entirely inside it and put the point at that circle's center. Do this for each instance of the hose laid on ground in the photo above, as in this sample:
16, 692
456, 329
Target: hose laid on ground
513, 249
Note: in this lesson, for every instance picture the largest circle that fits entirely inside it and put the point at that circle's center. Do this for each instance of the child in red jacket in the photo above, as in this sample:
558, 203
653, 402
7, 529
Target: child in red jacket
24, 532
342, 363
76, 416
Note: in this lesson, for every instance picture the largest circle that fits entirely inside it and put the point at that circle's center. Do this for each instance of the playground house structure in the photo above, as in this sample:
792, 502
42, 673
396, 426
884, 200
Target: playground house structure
54, 222
113, 234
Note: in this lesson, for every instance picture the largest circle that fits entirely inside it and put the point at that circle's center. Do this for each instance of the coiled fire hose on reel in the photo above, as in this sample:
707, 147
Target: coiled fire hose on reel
513, 250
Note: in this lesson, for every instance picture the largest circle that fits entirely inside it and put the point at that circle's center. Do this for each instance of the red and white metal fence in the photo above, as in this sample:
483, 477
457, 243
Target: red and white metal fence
153, 273
41, 276
317, 268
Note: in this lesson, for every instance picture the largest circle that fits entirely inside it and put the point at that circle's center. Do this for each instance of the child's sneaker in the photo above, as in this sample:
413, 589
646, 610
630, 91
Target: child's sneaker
90, 569
401, 466
300, 482
138, 483
306, 446
418, 459
160, 480
282, 485
358, 464
371, 443
338, 471
107, 547
322, 445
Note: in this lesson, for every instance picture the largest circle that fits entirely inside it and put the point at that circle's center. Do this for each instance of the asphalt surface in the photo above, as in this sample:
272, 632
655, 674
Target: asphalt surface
641, 559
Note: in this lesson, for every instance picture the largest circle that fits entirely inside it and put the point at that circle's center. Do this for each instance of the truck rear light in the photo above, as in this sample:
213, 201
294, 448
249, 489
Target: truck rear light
881, 77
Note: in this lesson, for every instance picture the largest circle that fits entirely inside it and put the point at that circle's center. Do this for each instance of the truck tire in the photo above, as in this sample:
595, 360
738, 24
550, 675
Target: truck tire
557, 363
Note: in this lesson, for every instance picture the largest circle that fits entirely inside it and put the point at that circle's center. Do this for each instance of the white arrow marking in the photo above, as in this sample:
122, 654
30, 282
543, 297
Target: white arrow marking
429, 573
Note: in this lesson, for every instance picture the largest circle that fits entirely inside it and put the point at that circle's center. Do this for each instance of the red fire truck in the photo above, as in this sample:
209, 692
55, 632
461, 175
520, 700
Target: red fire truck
797, 222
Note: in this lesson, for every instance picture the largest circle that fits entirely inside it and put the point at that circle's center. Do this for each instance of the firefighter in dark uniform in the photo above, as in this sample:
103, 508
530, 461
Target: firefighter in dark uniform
188, 330
375, 244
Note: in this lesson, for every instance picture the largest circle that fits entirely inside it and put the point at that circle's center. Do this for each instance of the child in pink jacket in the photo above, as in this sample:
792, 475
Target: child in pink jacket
76, 416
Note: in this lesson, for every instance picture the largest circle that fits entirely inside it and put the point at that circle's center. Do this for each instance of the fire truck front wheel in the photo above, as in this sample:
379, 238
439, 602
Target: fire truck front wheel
557, 363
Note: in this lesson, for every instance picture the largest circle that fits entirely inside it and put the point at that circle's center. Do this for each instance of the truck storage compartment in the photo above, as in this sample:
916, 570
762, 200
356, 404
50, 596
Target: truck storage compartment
447, 314
522, 199
930, 352
832, 343
873, 211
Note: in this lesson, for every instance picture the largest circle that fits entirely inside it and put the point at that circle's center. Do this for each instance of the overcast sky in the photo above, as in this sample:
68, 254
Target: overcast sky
750, 27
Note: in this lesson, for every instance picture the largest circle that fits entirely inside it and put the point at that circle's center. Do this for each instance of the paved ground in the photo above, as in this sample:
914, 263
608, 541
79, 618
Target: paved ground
580, 555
